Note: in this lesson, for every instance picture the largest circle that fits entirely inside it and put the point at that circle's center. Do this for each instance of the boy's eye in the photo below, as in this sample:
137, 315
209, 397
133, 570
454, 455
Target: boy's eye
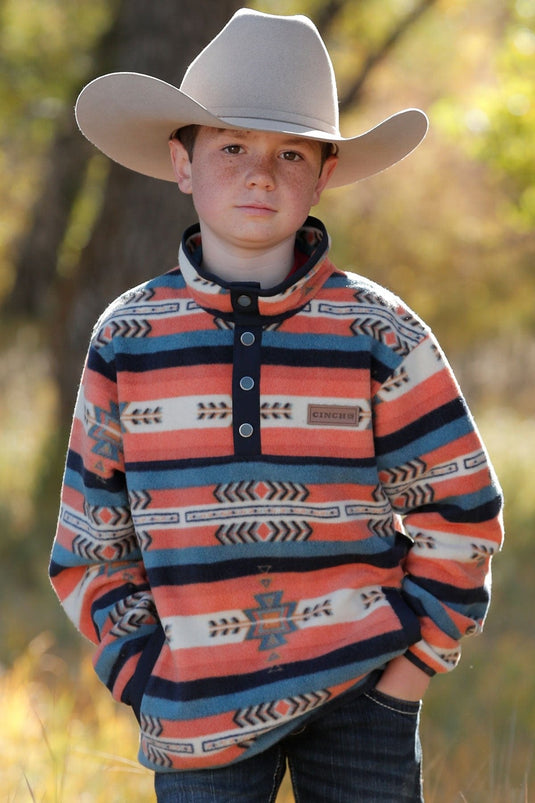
291, 156
232, 149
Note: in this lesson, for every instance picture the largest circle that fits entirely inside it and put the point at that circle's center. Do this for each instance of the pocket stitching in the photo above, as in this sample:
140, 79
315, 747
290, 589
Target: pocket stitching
382, 703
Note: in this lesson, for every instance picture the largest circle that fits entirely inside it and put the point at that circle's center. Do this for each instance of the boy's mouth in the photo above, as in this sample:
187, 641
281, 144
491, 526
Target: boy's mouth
257, 208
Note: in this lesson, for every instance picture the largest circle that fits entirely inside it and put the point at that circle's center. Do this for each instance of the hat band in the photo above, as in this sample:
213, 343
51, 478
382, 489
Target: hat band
270, 115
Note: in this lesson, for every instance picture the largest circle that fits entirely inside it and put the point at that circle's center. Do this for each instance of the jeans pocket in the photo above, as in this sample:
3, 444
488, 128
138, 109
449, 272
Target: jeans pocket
396, 704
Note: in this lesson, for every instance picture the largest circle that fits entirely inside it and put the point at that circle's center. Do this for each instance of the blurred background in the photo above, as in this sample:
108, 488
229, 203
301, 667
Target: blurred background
451, 230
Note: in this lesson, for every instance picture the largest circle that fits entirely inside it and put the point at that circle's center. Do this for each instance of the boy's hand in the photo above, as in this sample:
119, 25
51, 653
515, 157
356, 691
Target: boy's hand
402, 679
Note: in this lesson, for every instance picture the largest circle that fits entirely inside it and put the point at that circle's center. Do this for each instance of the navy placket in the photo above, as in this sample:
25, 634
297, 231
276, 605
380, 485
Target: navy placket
246, 371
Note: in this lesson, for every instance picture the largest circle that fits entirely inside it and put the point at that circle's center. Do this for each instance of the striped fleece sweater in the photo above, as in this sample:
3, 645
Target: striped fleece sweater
268, 495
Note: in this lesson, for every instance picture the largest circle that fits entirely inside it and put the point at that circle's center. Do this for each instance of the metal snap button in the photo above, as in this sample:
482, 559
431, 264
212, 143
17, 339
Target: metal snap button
247, 383
244, 301
247, 339
246, 430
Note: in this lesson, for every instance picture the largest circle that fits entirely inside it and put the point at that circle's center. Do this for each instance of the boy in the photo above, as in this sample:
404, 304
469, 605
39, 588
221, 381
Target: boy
277, 516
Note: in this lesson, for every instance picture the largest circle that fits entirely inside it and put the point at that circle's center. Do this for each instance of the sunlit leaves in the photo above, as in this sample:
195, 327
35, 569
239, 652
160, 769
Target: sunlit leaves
494, 119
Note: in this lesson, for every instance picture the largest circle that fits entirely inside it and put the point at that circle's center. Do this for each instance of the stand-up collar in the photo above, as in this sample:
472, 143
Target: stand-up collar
213, 294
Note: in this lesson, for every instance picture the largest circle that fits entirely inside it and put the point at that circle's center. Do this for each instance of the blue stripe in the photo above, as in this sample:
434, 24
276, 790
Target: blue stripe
313, 349
172, 279
201, 473
65, 559
451, 595
425, 444
147, 354
352, 550
201, 338
432, 607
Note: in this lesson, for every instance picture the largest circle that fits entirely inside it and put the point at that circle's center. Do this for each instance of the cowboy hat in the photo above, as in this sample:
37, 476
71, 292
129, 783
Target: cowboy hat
261, 72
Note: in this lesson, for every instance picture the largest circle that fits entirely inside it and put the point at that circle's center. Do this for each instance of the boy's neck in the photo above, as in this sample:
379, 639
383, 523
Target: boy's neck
269, 267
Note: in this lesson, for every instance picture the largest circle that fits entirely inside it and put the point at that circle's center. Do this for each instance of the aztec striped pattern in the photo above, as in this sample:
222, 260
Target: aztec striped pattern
267, 496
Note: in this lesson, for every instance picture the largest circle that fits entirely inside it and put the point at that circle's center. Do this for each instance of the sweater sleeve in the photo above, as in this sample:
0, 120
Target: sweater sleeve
96, 567
439, 480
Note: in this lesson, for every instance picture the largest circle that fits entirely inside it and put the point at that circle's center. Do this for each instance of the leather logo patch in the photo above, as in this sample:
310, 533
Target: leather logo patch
333, 415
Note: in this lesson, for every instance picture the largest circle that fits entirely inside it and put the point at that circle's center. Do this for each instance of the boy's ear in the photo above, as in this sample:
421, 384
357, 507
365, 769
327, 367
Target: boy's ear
327, 171
181, 165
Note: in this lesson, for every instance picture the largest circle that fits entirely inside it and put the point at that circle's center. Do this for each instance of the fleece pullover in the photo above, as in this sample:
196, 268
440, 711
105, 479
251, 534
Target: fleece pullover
269, 494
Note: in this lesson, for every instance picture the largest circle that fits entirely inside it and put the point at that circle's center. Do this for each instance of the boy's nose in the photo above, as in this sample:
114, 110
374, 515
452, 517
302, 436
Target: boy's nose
260, 174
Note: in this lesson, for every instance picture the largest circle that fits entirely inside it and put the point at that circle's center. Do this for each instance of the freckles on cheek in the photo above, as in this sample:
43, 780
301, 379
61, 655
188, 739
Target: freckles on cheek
215, 179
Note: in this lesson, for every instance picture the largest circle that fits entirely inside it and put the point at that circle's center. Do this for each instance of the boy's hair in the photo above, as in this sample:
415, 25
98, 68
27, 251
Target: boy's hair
188, 134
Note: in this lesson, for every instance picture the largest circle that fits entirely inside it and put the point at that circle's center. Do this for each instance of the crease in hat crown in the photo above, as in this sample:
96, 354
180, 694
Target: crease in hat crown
301, 90
261, 72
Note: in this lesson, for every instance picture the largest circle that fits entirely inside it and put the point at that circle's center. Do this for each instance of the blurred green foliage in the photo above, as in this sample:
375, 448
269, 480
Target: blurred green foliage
45, 54
495, 120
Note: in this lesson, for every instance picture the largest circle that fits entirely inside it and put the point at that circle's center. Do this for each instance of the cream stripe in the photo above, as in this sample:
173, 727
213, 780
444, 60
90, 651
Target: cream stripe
232, 626
215, 411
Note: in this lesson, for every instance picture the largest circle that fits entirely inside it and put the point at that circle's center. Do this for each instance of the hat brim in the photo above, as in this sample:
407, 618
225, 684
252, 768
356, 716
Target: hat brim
129, 117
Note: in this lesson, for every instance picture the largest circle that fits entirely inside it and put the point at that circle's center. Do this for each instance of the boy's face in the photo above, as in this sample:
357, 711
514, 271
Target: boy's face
252, 190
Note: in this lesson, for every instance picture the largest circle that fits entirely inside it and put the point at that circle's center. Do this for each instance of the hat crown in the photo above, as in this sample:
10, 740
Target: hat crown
267, 67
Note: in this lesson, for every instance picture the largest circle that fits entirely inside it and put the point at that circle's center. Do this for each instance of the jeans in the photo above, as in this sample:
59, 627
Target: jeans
365, 750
